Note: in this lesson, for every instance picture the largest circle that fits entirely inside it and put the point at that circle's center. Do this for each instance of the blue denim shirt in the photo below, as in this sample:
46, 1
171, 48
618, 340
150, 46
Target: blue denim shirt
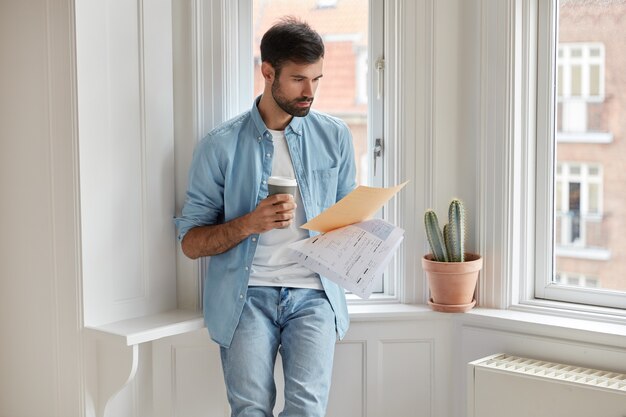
228, 178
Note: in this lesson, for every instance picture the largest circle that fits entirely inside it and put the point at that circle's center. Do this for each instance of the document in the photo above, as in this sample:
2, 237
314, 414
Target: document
361, 204
352, 256
353, 249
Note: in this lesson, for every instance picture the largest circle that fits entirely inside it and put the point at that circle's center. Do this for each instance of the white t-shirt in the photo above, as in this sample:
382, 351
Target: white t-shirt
270, 267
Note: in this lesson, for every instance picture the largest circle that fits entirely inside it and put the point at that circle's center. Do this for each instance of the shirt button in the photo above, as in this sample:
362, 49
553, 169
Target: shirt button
268, 154
240, 295
259, 138
247, 268
264, 182
254, 239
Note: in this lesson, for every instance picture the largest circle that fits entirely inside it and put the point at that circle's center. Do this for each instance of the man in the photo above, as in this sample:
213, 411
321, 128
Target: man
256, 301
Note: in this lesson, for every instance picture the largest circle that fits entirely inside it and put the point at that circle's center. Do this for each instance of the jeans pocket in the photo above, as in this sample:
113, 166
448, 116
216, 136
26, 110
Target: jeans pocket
324, 186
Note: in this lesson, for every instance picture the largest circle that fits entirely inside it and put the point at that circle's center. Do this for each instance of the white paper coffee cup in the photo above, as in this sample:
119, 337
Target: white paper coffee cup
281, 185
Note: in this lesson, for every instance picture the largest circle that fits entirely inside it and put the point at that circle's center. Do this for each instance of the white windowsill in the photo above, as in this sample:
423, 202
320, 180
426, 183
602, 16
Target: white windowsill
148, 328
538, 322
548, 325
176, 322
396, 311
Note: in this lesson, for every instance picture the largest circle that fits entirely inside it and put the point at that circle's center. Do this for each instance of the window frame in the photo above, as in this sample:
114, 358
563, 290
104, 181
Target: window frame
515, 230
234, 95
542, 291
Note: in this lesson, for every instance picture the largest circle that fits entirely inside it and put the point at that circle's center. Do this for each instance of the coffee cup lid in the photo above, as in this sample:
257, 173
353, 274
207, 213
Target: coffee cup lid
283, 181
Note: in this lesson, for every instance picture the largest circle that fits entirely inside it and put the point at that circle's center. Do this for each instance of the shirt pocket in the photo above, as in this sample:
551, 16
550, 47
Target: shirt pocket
324, 186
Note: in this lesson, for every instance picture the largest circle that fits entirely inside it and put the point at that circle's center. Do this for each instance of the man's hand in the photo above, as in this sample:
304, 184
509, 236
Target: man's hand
276, 211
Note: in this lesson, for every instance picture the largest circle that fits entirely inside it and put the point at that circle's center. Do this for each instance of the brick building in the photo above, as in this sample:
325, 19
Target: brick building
591, 144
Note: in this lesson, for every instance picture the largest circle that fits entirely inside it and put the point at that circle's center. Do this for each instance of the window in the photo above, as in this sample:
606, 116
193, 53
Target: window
582, 198
352, 33
580, 86
580, 71
580, 92
578, 204
216, 75
343, 90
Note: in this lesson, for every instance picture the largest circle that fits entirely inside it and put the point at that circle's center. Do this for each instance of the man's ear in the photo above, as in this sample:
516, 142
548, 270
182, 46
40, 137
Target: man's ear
268, 71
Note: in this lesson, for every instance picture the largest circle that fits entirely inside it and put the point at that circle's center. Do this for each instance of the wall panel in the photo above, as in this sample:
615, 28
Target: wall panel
406, 377
188, 378
125, 104
40, 353
380, 369
347, 396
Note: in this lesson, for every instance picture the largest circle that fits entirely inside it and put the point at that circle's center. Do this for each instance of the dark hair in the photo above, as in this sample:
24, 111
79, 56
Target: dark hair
291, 40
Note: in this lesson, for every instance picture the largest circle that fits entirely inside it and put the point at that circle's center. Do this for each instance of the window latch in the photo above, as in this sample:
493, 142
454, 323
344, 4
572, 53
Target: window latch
378, 151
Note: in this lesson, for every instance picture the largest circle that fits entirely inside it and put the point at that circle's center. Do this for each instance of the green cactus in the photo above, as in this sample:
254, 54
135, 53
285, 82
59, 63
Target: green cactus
448, 246
435, 238
456, 220
448, 242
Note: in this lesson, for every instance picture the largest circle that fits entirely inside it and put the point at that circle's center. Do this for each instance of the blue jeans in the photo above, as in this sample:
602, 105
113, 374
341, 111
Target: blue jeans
301, 323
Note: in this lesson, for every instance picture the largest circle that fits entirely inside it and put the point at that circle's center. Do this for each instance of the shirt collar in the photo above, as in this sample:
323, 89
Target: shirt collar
295, 125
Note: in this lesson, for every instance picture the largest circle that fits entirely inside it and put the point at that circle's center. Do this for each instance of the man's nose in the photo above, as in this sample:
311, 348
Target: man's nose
308, 89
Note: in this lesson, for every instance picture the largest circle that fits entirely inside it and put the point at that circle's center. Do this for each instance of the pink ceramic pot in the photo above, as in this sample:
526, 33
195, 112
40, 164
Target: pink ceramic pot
452, 284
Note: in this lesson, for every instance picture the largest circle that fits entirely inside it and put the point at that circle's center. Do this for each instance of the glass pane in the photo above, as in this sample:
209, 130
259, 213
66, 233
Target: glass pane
594, 198
576, 81
574, 196
590, 249
594, 80
342, 91
574, 211
559, 196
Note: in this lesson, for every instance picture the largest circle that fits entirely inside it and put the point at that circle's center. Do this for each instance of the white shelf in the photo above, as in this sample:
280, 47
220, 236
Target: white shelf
148, 328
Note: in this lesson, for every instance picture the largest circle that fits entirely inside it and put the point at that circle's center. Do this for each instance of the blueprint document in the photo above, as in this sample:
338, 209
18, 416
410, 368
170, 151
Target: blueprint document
352, 256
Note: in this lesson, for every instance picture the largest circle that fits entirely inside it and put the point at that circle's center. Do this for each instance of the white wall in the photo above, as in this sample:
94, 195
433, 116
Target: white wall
125, 117
40, 298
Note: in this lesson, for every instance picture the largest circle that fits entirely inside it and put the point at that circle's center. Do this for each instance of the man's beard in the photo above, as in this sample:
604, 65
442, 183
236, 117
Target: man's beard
290, 106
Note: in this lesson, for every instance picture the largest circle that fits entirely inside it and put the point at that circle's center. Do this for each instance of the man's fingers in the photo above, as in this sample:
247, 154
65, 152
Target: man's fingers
279, 202
284, 207
284, 216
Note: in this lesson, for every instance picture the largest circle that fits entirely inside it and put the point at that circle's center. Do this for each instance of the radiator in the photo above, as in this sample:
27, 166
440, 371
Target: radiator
509, 386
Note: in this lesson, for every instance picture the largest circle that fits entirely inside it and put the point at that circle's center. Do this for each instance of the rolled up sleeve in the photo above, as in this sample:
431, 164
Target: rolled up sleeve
204, 202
